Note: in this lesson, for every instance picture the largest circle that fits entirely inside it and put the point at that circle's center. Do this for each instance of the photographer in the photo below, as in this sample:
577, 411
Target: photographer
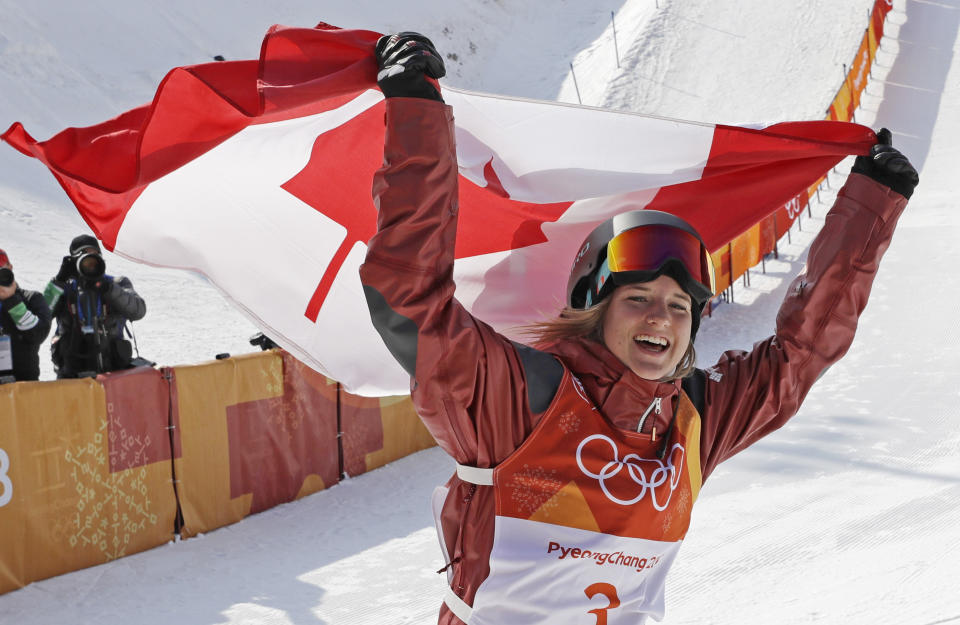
92, 310
24, 324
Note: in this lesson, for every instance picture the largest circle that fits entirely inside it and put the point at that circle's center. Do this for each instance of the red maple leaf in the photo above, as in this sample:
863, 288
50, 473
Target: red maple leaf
337, 182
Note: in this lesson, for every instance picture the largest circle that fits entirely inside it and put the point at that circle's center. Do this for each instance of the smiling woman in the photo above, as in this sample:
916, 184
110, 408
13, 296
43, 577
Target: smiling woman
666, 275
647, 326
596, 439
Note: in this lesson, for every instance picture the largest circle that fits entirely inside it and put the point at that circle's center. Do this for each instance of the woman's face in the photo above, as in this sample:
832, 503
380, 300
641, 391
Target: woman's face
647, 325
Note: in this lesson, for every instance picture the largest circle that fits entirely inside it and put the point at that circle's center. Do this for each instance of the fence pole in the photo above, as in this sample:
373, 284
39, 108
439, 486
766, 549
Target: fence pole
776, 238
575, 86
846, 81
616, 50
732, 277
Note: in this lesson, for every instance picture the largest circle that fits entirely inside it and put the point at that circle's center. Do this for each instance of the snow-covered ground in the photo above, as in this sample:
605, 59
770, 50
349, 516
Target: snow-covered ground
850, 514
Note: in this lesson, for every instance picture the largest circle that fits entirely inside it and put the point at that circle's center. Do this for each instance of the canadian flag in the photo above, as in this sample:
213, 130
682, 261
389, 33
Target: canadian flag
258, 175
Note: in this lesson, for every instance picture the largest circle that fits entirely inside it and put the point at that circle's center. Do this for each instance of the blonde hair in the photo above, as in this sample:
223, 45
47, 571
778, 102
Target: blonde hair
576, 323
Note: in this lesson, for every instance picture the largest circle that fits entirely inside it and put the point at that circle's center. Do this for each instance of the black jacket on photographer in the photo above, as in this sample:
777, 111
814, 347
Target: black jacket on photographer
91, 315
24, 325
27, 334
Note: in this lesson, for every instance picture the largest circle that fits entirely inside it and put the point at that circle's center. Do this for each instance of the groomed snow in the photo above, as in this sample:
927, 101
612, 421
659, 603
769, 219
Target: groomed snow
850, 514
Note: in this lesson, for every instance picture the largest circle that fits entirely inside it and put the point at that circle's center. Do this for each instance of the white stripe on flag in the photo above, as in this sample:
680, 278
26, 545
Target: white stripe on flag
598, 153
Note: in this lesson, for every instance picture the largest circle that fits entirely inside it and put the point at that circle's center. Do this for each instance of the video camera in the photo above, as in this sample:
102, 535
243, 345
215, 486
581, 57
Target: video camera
262, 341
90, 266
6, 276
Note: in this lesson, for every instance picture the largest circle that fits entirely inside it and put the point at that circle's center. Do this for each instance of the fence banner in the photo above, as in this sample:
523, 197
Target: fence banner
82, 482
378, 430
768, 235
252, 437
877, 19
721, 264
745, 251
848, 97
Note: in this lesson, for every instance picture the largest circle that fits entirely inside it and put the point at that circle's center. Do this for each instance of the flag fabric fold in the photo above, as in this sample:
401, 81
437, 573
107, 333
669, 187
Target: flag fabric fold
258, 175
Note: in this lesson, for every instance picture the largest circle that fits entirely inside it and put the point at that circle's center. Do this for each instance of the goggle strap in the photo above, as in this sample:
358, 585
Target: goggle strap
603, 276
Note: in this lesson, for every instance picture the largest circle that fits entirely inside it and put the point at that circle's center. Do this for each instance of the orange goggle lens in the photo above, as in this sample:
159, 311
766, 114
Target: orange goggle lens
648, 247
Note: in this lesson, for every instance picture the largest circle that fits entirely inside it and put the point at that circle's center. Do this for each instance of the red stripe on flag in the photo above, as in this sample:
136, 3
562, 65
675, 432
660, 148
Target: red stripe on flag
750, 173
301, 72
320, 294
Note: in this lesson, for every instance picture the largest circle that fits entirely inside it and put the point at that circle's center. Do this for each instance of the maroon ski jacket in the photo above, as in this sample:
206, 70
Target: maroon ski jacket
481, 394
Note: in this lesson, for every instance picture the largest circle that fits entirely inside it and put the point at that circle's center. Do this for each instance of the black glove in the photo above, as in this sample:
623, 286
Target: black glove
68, 269
405, 60
888, 166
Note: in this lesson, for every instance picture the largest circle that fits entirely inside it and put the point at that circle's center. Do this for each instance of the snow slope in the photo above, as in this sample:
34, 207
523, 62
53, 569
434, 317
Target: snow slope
849, 514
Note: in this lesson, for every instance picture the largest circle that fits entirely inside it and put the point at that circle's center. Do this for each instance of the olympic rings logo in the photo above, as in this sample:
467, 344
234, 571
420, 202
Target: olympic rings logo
660, 474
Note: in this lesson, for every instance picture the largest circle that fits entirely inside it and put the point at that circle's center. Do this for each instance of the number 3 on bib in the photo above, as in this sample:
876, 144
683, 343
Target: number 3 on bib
6, 486
608, 591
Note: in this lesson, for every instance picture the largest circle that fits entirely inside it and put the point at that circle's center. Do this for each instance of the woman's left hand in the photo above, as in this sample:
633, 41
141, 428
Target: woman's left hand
888, 166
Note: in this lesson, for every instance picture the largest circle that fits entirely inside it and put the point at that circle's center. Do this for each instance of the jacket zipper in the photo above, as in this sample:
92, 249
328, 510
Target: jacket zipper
655, 407
458, 572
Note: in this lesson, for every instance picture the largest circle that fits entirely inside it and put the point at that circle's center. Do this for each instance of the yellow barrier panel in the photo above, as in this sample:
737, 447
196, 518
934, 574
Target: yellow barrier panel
745, 251
859, 71
68, 500
201, 394
252, 437
378, 430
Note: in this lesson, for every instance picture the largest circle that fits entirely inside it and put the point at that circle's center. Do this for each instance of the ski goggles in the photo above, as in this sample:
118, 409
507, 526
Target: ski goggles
648, 248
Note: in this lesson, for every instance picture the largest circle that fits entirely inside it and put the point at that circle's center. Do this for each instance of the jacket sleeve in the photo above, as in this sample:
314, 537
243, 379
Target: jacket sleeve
468, 383
30, 314
750, 394
53, 295
123, 300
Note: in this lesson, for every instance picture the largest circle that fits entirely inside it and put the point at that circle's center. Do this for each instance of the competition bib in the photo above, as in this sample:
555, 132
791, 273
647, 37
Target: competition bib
6, 353
589, 519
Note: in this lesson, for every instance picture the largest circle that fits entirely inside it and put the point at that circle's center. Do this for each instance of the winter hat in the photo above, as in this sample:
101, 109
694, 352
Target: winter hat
82, 241
4, 259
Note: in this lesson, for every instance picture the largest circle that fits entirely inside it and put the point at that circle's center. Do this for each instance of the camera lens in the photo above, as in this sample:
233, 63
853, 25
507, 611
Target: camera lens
6, 276
91, 266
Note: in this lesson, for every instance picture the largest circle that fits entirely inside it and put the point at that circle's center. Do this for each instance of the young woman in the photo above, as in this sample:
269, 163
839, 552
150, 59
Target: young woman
579, 460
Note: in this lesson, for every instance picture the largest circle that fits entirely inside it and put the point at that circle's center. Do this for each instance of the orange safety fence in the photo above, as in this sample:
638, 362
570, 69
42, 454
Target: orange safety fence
92, 470
736, 257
